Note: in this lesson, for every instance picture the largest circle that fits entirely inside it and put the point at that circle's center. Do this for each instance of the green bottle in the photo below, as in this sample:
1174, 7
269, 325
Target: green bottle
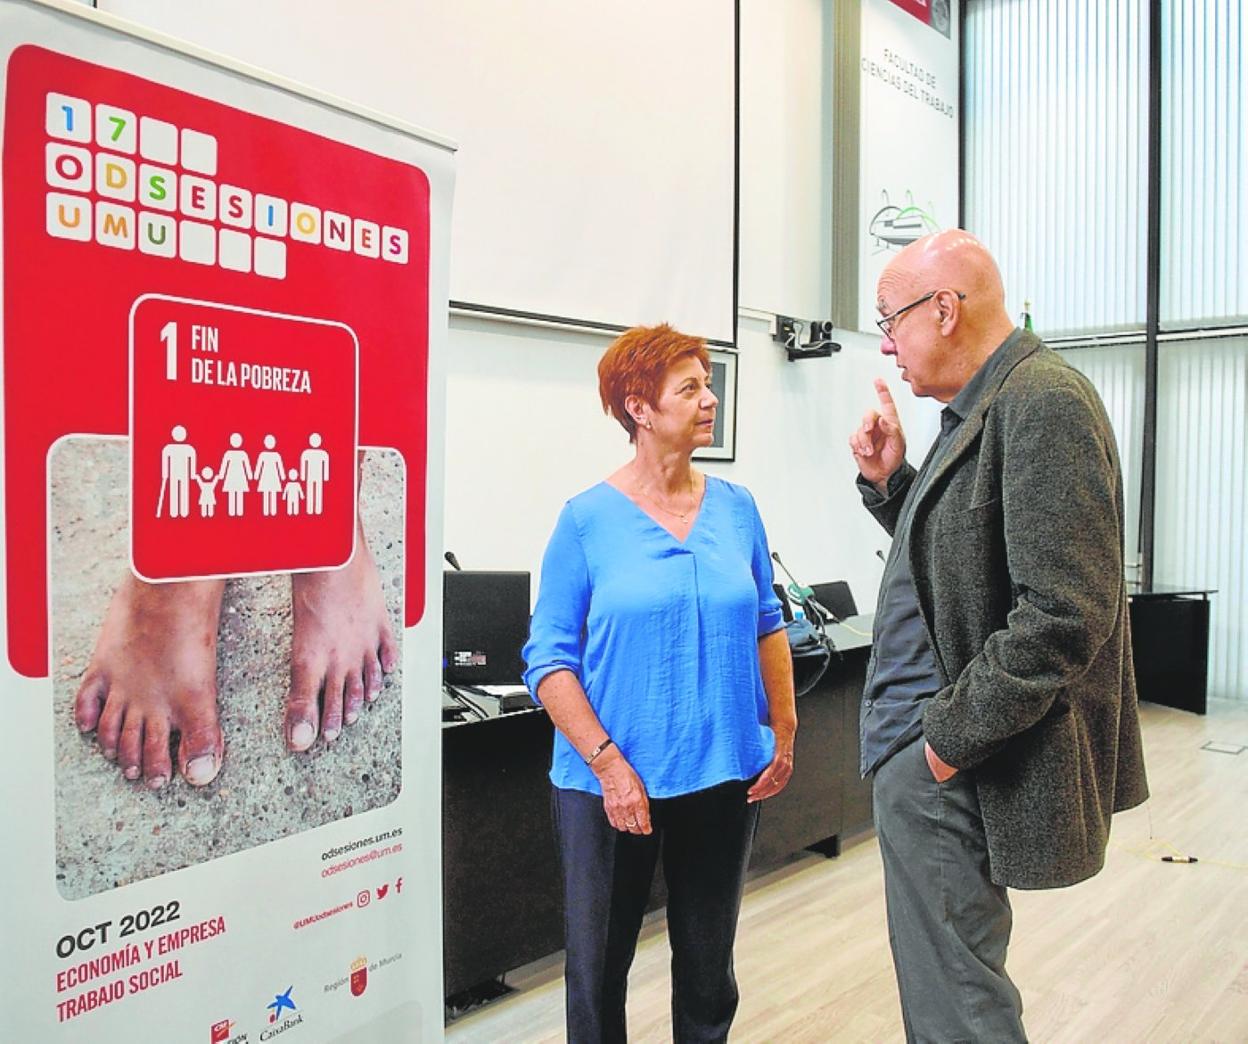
1027, 315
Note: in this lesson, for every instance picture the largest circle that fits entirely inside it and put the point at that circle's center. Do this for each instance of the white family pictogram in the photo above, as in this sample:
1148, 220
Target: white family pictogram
300, 489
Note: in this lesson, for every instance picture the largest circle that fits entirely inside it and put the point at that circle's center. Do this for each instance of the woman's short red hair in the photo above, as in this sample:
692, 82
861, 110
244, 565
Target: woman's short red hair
636, 364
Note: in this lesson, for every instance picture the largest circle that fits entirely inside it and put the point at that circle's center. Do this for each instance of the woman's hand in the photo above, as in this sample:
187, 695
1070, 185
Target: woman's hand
775, 662
624, 797
775, 777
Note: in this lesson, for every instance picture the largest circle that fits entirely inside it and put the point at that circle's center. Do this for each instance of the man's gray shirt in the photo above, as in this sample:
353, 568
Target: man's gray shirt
905, 671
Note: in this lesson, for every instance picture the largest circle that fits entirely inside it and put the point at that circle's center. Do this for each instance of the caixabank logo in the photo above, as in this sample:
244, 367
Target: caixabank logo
278, 1022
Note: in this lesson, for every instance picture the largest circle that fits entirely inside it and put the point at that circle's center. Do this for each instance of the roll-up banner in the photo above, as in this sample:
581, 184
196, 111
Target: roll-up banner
224, 308
908, 183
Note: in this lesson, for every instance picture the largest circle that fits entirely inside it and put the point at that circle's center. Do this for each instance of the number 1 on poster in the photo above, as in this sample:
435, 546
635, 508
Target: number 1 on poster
169, 335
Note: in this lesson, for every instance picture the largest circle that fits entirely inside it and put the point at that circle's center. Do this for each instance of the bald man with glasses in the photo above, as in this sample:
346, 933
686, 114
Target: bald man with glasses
999, 718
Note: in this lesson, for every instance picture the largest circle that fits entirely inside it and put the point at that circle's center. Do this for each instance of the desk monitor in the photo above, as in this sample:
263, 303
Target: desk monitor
485, 623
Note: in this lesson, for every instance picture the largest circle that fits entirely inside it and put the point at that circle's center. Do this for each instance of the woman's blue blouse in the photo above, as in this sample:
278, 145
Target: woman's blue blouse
663, 636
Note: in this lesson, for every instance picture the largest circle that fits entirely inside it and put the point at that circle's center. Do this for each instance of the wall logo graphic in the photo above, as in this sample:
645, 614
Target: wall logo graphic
893, 227
281, 1002
170, 204
361, 974
179, 467
277, 1025
243, 437
930, 12
221, 1033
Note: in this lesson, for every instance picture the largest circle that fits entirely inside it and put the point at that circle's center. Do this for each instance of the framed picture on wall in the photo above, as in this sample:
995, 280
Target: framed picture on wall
724, 385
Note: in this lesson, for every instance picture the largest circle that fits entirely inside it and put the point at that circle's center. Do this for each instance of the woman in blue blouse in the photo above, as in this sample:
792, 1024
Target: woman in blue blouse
657, 648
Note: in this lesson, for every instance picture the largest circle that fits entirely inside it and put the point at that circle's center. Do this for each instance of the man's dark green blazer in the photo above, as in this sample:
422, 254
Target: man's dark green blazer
1016, 553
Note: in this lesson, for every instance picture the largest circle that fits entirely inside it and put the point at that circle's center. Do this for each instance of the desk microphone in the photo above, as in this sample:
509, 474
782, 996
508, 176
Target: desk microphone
814, 655
450, 557
806, 596
878, 554
801, 592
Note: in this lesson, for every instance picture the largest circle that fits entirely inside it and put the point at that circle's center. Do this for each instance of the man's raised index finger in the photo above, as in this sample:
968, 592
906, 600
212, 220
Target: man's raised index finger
887, 406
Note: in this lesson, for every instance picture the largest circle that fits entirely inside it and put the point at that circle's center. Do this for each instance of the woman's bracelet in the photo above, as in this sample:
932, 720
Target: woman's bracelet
608, 742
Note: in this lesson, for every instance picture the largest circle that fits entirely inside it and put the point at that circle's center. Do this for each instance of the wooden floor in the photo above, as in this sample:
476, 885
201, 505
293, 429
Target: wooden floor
1147, 951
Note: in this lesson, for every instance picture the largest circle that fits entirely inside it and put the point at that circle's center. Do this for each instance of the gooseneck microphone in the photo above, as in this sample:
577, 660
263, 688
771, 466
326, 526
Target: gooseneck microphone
780, 562
806, 596
811, 651
450, 557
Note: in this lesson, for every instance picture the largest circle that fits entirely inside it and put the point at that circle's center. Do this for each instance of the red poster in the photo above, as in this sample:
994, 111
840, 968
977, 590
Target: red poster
293, 272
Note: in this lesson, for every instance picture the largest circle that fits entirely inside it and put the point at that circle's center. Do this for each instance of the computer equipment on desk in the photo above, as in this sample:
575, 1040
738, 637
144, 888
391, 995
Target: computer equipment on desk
485, 700
510, 697
515, 701
452, 709
485, 623
485, 619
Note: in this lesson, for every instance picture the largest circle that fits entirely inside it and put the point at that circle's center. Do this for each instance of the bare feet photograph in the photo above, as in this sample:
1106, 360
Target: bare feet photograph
154, 673
342, 648
195, 719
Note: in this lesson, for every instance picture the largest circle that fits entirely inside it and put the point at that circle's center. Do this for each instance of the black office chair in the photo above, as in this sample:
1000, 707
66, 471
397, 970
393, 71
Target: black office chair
786, 607
837, 599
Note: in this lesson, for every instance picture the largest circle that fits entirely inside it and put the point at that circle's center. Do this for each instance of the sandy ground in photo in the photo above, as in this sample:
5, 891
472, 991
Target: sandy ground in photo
111, 832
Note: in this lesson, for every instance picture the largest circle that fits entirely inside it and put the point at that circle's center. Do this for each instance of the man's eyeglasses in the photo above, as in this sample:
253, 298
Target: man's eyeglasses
889, 321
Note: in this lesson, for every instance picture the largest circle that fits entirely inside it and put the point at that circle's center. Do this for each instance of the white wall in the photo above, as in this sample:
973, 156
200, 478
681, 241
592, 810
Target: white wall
559, 109
525, 429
